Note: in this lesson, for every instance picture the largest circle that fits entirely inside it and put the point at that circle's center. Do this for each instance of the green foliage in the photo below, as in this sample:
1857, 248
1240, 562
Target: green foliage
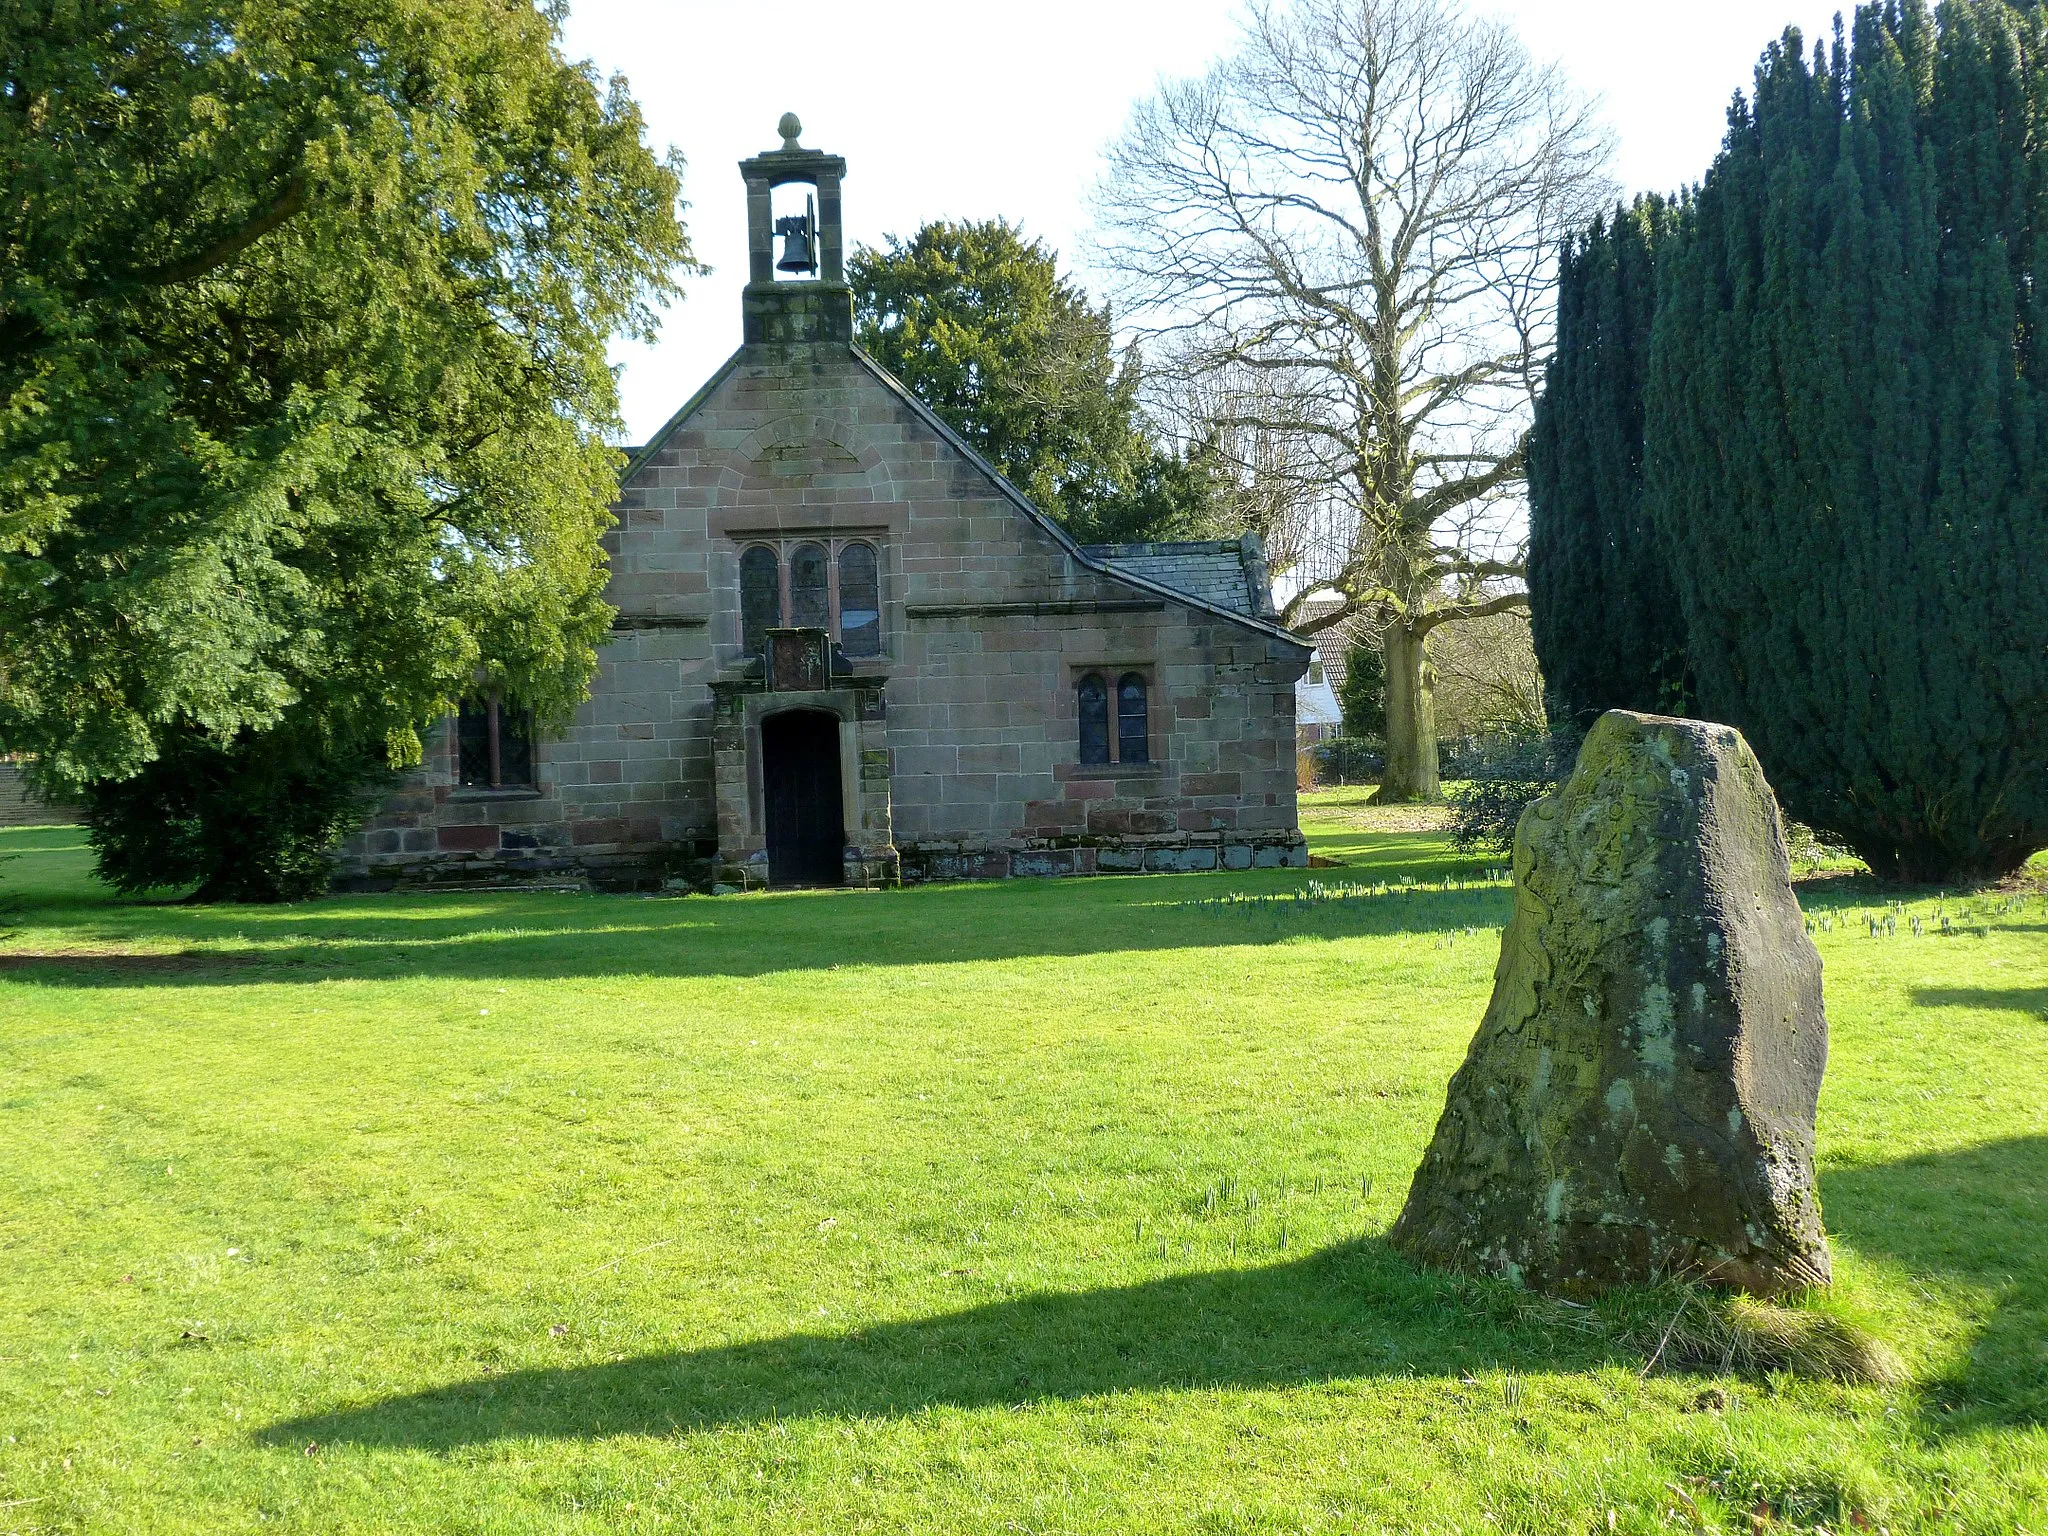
1124, 1166
1363, 698
981, 326
1844, 440
1592, 548
303, 386
252, 820
1500, 780
1848, 435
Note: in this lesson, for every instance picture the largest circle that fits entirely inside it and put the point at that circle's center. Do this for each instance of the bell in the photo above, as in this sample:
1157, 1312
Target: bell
798, 253
796, 246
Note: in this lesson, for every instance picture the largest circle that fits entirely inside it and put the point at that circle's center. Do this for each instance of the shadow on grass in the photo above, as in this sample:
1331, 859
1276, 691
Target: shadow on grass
1979, 1215
2028, 1000
1345, 1312
1354, 1311
541, 937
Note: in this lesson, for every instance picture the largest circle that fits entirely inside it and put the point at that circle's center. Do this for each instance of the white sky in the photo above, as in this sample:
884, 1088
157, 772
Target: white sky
962, 109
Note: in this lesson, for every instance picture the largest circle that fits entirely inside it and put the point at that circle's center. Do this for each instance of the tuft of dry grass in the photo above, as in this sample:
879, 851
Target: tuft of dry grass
1687, 1327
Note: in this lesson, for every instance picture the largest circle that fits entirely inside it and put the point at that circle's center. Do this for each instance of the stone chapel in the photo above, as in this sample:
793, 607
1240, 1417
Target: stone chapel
848, 652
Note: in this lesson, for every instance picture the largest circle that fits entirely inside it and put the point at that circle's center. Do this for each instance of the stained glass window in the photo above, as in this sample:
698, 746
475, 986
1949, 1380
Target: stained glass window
473, 743
810, 600
760, 597
515, 747
493, 745
1133, 734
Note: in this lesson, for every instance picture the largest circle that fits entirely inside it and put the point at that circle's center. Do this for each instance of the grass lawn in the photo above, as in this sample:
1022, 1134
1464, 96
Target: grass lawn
1036, 1207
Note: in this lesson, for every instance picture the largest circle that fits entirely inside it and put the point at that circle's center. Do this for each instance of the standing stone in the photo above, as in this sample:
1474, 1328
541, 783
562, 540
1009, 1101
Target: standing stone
1638, 1103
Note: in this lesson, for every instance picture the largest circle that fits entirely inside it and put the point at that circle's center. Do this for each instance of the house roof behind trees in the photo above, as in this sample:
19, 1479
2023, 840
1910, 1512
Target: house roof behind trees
1333, 645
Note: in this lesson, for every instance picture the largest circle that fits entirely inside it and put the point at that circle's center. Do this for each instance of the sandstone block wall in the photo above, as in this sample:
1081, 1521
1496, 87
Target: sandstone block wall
988, 624
20, 807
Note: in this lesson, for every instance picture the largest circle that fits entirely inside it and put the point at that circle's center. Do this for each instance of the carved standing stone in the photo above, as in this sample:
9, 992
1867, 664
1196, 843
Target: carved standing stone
1639, 1100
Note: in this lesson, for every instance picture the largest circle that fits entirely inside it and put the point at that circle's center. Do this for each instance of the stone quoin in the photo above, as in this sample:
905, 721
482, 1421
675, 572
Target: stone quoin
848, 652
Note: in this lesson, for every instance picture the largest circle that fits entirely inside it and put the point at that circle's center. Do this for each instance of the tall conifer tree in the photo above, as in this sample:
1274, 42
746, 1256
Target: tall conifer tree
1602, 609
1847, 437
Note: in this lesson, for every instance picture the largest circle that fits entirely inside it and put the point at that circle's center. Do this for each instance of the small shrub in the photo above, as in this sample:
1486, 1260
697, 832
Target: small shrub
1811, 851
1464, 757
1348, 760
1498, 780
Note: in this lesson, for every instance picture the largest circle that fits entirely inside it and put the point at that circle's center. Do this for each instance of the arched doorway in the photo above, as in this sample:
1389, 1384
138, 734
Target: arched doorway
800, 781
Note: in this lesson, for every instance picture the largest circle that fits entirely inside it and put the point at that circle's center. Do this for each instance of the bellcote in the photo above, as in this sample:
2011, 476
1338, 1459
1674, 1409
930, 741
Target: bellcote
798, 294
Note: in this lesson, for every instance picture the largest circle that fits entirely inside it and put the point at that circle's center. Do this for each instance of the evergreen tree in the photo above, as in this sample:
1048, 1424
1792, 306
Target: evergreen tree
1602, 608
1847, 444
1363, 698
981, 326
252, 819
304, 395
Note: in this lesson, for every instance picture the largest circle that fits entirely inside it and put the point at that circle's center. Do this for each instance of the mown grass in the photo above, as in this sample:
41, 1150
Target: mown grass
1048, 1207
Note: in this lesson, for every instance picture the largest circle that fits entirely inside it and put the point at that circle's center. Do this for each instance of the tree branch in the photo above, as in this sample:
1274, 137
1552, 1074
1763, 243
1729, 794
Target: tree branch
1455, 613
290, 202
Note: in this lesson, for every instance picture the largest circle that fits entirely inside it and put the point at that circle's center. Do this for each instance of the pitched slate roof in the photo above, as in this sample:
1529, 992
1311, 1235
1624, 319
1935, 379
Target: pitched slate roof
1229, 573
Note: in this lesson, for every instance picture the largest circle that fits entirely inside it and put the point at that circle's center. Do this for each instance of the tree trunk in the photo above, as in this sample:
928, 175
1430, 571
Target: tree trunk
1411, 773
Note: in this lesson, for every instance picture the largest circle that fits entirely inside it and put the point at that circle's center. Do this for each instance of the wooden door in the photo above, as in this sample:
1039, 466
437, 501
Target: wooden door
800, 775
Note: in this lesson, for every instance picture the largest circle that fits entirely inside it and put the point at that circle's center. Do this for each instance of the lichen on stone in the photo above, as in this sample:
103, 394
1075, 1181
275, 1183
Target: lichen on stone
1598, 1134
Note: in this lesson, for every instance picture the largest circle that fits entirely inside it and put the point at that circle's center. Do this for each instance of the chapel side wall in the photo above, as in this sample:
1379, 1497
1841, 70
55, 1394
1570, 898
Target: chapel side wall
987, 779
621, 797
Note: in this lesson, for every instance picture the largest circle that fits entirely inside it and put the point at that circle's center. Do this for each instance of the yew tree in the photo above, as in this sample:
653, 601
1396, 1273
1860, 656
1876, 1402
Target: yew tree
1847, 433
304, 401
1603, 611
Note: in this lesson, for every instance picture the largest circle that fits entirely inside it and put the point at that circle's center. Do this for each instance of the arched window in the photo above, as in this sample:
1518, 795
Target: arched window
1133, 729
810, 600
860, 601
1093, 698
760, 597
834, 585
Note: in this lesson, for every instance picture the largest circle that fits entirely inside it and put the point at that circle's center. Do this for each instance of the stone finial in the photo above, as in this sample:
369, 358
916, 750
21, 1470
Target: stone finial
1639, 1102
790, 127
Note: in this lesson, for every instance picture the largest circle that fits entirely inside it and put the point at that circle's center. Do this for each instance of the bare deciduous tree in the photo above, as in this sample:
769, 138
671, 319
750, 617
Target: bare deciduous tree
1346, 233
1488, 682
1270, 478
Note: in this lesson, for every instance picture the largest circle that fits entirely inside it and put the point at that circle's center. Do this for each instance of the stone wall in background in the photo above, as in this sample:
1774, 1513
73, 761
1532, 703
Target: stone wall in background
20, 808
